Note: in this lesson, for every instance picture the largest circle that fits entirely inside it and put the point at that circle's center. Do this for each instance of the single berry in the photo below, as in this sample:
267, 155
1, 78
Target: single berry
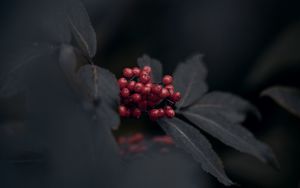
136, 97
149, 85
127, 73
167, 79
138, 87
170, 113
154, 114
131, 85
136, 71
156, 89
168, 107
147, 69
146, 90
136, 113
170, 88
122, 82
161, 112
176, 97
164, 93
122, 111
125, 92
145, 78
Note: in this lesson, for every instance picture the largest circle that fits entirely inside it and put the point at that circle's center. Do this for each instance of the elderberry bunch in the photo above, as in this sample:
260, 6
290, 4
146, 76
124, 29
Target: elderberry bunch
139, 95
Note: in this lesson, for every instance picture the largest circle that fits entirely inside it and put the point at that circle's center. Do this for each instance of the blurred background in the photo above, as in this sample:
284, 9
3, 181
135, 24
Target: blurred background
248, 46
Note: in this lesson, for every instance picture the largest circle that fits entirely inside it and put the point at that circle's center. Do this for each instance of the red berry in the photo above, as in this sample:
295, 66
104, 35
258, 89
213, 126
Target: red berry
127, 72
156, 89
138, 87
161, 112
148, 85
167, 79
145, 78
146, 90
170, 113
170, 88
131, 85
147, 69
154, 114
136, 97
136, 113
125, 92
176, 97
122, 111
164, 93
136, 71
168, 107
122, 82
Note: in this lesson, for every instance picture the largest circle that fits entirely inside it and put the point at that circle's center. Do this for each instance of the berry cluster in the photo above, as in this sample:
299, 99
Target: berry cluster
139, 95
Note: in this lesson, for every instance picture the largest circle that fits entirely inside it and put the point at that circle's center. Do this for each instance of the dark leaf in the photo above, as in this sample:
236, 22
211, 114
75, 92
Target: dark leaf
82, 28
230, 106
288, 98
231, 134
108, 116
189, 80
100, 84
193, 142
68, 61
100, 88
154, 64
282, 54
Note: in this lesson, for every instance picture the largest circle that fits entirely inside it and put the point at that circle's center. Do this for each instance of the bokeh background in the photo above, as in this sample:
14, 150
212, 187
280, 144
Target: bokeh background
248, 46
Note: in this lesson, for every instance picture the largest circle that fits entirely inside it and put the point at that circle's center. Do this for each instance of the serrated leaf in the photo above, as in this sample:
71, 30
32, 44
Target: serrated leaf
230, 106
154, 64
68, 61
82, 28
100, 88
193, 142
108, 116
231, 134
189, 80
286, 97
99, 83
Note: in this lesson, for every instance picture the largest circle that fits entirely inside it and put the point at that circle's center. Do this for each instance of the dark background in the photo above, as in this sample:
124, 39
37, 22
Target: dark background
248, 46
